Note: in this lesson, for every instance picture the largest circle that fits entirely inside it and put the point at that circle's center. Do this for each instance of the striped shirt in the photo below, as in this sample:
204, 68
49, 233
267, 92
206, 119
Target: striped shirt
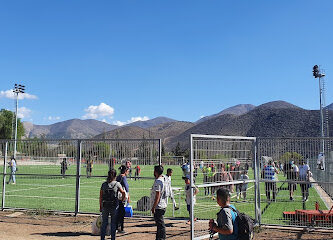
269, 173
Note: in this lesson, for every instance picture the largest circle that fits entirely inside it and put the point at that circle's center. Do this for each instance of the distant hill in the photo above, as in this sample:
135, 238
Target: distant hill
330, 107
235, 110
278, 105
126, 132
74, 128
164, 131
152, 122
274, 119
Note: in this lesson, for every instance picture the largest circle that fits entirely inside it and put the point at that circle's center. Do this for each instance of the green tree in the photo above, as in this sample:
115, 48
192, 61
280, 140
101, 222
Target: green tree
296, 157
6, 125
177, 151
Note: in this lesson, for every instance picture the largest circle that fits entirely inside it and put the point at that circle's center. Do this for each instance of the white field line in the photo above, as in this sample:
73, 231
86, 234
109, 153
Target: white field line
32, 184
42, 187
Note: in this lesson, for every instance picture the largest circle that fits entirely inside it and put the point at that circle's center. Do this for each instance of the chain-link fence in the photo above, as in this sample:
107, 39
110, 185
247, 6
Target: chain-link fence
289, 180
66, 175
301, 192
220, 162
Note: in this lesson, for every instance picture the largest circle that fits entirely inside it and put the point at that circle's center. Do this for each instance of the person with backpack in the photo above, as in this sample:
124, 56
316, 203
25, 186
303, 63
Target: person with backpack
122, 179
109, 203
226, 226
159, 202
231, 224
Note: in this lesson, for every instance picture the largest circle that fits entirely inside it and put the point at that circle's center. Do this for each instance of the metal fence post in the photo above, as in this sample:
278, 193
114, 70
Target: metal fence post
78, 175
192, 187
160, 152
256, 184
4, 178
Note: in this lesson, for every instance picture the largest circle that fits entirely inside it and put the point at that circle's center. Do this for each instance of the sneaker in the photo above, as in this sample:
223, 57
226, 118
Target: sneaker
176, 208
291, 199
122, 231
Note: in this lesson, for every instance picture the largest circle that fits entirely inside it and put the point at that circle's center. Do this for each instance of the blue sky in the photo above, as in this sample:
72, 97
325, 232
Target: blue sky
121, 61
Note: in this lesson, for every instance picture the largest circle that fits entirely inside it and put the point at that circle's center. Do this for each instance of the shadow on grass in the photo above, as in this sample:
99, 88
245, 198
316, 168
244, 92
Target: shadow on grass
64, 234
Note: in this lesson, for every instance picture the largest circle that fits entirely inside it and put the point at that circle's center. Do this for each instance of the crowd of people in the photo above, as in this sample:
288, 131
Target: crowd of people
225, 172
112, 204
292, 172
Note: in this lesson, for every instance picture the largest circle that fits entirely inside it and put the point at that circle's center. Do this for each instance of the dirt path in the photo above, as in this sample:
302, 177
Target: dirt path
17, 225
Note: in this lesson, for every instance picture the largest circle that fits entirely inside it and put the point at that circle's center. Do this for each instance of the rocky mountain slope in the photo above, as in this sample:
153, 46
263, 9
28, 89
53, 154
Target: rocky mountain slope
74, 128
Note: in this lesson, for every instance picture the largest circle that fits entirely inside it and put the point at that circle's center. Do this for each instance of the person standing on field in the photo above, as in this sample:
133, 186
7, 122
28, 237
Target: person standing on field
169, 188
122, 179
269, 174
304, 175
159, 202
291, 171
12, 166
63, 167
188, 196
137, 172
109, 203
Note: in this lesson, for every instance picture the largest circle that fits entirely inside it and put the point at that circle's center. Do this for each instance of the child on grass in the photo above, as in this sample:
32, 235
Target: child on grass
226, 226
188, 195
244, 177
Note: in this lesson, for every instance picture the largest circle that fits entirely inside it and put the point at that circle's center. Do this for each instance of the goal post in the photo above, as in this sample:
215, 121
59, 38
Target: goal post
217, 162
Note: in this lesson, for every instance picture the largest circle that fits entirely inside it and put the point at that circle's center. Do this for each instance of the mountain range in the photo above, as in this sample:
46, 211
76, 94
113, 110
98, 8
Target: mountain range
77, 128
272, 119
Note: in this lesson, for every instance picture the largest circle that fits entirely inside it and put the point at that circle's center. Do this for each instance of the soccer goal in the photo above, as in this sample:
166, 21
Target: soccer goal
221, 162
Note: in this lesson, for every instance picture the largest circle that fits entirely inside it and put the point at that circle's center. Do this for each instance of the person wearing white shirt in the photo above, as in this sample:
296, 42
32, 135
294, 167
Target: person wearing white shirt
159, 202
304, 175
169, 188
12, 166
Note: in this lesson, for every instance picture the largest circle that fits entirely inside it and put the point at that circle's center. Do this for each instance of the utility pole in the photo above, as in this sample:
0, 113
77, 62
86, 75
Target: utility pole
18, 88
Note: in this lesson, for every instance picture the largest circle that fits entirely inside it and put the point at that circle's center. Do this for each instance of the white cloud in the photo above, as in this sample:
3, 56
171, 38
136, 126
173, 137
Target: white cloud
23, 112
133, 119
118, 123
102, 110
50, 118
9, 94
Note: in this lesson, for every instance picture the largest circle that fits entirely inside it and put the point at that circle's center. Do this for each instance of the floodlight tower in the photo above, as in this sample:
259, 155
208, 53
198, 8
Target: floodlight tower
324, 131
18, 88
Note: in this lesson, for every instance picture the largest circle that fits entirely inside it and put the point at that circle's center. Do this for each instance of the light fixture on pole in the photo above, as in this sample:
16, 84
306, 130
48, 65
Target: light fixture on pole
18, 88
323, 131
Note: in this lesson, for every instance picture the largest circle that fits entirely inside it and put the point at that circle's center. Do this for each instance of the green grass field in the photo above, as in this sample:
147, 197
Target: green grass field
55, 193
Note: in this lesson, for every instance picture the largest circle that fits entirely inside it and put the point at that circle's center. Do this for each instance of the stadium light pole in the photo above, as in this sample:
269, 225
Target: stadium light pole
318, 74
18, 88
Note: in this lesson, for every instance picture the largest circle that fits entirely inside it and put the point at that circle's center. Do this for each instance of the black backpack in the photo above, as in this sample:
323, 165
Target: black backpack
245, 225
110, 196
